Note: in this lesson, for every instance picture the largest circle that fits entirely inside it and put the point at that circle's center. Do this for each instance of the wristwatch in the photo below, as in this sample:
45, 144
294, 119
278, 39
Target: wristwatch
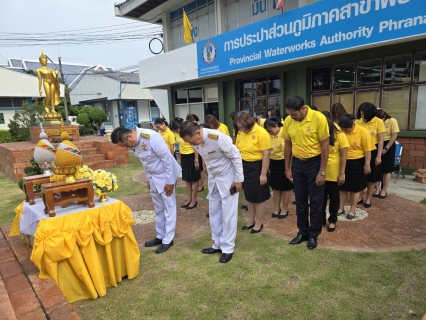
386, 148
322, 173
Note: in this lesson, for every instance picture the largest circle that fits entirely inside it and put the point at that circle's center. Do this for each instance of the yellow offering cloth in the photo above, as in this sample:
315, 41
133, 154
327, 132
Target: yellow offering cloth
84, 250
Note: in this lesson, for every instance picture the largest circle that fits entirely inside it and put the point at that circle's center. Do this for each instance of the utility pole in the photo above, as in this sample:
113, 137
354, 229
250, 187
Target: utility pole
65, 91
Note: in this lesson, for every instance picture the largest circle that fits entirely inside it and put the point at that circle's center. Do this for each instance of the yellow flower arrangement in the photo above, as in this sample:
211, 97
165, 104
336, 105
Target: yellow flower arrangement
103, 182
84, 172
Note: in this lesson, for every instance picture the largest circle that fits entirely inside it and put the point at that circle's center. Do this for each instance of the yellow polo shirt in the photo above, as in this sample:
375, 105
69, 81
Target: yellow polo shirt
306, 135
168, 136
261, 121
333, 162
224, 129
184, 147
277, 146
252, 144
360, 141
391, 127
374, 126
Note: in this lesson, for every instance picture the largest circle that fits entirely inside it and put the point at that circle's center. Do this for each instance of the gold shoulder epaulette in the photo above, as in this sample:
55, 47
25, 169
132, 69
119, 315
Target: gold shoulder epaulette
145, 136
213, 136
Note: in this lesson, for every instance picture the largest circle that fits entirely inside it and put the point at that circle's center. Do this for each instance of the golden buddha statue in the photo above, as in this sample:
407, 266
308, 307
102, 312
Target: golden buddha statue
49, 79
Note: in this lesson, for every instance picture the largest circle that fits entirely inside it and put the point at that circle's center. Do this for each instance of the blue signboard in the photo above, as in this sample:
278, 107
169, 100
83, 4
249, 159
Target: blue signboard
319, 28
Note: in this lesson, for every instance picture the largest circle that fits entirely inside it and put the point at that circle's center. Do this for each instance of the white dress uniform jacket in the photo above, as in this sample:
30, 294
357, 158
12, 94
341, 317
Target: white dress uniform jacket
160, 169
224, 166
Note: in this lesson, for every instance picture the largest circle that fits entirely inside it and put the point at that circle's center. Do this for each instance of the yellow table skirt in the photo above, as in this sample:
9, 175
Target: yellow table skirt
86, 251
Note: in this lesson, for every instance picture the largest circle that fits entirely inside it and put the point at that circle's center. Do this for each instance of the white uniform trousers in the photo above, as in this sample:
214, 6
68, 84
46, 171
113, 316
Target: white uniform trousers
165, 214
223, 220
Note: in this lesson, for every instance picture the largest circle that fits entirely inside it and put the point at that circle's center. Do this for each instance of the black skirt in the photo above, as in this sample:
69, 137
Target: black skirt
355, 179
388, 159
277, 179
375, 175
253, 191
189, 173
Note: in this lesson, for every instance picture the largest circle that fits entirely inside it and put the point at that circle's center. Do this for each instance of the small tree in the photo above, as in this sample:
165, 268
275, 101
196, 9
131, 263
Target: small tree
31, 171
19, 126
91, 118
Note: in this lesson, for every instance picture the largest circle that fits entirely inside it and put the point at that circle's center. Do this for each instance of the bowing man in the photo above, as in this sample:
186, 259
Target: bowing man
161, 170
224, 165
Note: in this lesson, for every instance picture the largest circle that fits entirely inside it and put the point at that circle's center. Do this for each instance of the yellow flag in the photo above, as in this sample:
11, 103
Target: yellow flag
187, 28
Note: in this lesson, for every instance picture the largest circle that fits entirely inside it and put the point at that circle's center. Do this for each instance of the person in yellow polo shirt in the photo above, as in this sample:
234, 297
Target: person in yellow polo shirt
279, 183
366, 116
306, 153
255, 148
213, 123
335, 172
357, 162
190, 166
167, 134
389, 148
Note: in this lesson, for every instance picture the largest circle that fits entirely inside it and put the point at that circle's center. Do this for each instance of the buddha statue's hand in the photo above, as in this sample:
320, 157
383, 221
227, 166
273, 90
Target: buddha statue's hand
40, 92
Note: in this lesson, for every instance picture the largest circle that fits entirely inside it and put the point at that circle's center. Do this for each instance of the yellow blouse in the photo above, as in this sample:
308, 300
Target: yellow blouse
184, 147
168, 136
224, 129
252, 144
374, 126
277, 146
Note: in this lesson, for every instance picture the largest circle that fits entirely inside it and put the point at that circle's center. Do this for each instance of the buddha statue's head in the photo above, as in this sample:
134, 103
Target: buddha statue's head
42, 59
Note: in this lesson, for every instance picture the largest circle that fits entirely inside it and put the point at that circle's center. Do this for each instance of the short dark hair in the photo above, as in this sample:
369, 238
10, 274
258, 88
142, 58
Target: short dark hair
119, 134
161, 121
175, 124
332, 130
246, 120
347, 121
275, 112
326, 113
294, 102
211, 121
314, 108
368, 109
232, 115
188, 128
382, 114
192, 117
272, 122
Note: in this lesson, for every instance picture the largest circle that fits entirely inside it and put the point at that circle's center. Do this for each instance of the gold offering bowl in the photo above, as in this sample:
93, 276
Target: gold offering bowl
68, 172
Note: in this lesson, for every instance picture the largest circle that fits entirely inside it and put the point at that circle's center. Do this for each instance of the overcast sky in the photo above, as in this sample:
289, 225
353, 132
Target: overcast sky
45, 16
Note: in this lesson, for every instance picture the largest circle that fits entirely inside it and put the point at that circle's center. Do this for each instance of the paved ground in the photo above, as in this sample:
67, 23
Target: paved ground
394, 224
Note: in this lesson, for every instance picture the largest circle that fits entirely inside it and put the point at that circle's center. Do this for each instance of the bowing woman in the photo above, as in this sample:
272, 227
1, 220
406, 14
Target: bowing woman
213, 123
167, 134
388, 154
255, 147
279, 183
366, 116
357, 162
190, 166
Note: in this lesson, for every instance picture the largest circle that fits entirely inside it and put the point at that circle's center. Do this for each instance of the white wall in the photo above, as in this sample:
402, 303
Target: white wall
8, 115
143, 110
134, 92
94, 86
173, 67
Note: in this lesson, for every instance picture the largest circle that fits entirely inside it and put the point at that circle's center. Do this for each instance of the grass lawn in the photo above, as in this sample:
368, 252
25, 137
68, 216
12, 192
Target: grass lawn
267, 278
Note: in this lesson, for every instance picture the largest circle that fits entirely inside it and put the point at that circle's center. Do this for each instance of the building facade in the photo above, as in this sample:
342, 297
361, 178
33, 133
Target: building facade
325, 51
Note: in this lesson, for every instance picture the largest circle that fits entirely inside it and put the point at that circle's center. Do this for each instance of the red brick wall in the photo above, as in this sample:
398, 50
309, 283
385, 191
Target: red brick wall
413, 153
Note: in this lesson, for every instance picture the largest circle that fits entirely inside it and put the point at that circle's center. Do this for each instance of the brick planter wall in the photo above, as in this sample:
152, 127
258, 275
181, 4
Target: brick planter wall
413, 153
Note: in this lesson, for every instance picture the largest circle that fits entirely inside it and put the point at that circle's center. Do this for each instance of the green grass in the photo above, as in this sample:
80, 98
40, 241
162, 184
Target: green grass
267, 278
423, 201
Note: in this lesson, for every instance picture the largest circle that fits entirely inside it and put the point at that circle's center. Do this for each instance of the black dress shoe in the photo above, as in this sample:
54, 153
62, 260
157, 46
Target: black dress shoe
225, 257
274, 215
382, 197
247, 227
312, 243
211, 251
190, 208
184, 205
244, 206
282, 216
154, 242
360, 201
298, 239
257, 231
331, 229
367, 205
207, 215
294, 202
164, 247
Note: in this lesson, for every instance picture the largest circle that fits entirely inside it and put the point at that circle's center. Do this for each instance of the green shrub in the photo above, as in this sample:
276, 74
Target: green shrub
5, 136
19, 126
31, 171
91, 118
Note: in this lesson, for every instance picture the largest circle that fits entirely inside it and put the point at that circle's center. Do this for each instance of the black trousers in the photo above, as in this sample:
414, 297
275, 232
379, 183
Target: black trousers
309, 222
331, 189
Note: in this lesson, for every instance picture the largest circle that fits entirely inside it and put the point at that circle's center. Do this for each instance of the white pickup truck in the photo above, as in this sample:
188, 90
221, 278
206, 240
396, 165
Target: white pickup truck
147, 125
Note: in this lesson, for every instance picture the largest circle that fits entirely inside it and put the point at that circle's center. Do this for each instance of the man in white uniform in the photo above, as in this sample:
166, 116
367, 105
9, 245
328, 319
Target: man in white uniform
224, 165
161, 171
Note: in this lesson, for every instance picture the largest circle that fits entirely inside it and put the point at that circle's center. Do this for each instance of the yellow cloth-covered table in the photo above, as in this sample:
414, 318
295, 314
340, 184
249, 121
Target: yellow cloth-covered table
84, 250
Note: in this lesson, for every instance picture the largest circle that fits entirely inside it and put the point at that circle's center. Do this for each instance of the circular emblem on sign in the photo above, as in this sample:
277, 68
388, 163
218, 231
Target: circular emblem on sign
209, 52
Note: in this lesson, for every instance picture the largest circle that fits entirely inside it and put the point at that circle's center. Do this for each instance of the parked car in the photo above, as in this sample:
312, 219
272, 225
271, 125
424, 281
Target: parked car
147, 125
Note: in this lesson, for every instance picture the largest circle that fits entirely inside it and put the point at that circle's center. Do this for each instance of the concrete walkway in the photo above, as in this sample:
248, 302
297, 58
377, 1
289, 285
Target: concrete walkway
396, 223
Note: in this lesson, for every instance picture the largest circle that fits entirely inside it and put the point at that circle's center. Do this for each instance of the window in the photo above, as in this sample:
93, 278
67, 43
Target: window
154, 110
396, 83
1, 118
199, 101
106, 107
259, 94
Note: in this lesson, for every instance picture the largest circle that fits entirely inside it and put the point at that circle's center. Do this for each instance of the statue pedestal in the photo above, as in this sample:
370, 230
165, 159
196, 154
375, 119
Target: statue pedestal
54, 133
